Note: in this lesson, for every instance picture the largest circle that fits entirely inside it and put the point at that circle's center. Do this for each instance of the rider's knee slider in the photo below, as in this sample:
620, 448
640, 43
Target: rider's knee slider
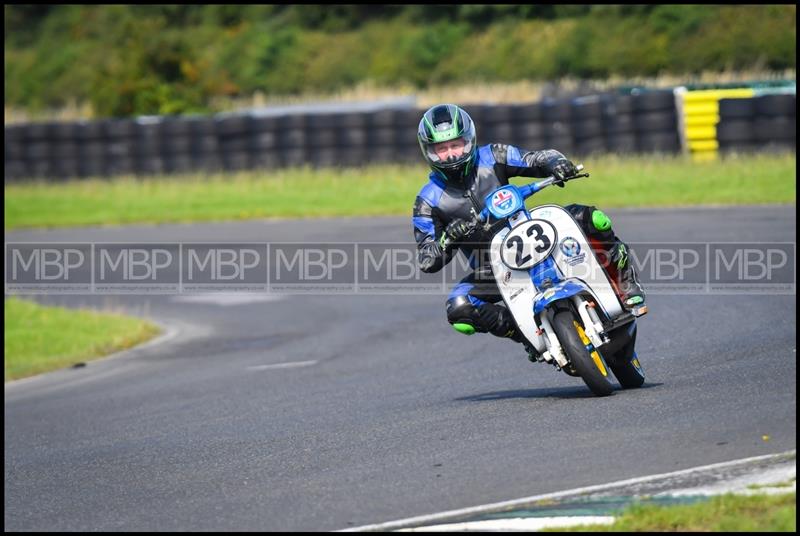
461, 311
594, 222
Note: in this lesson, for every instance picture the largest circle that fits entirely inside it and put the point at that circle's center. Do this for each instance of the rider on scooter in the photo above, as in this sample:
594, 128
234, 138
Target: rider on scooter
461, 177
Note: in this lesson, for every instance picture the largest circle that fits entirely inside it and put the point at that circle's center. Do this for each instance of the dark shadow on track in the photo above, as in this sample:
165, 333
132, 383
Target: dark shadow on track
579, 391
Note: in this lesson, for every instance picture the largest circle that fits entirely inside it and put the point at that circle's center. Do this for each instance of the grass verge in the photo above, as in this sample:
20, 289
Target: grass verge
40, 339
722, 513
638, 181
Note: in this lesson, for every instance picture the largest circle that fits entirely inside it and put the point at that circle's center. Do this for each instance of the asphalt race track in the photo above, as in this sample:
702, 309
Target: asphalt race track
323, 412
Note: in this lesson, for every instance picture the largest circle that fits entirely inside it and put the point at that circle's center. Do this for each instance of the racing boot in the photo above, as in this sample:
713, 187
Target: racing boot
627, 280
533, 353
512, 331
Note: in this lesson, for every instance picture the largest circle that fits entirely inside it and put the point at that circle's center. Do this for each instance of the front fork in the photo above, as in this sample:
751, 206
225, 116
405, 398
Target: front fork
592, 325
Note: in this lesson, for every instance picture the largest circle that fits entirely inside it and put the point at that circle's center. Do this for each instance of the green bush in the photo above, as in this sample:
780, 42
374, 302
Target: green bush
158, 59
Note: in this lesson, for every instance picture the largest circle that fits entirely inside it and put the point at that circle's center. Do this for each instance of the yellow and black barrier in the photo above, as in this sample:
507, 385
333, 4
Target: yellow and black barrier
742, 119
698, 116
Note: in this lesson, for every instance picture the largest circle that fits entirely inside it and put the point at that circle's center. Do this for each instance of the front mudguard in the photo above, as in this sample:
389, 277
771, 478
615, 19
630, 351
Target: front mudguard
558, 297
559, 291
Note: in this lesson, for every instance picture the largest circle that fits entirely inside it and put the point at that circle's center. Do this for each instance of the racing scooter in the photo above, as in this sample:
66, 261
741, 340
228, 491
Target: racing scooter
558, 292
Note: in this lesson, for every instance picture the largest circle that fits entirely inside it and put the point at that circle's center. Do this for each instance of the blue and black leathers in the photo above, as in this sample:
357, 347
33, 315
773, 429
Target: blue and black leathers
473, 300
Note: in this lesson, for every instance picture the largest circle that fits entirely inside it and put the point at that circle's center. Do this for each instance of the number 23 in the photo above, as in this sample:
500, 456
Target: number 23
517, 241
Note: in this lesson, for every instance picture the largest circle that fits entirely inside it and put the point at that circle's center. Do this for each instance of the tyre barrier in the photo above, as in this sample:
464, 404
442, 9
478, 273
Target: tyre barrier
761, 123
653, 101
655, 122
647, 121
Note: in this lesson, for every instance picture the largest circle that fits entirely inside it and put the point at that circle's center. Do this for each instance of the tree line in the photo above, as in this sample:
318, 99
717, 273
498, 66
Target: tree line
127, 60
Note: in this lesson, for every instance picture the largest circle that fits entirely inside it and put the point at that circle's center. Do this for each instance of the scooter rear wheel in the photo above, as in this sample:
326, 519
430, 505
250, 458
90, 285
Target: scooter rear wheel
627, 369
623, 362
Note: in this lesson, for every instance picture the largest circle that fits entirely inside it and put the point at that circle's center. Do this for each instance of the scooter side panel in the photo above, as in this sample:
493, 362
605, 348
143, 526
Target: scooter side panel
575, 259
518, 292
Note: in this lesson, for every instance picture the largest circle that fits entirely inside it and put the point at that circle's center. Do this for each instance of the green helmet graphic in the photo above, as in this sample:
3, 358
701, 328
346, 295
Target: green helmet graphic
445, 122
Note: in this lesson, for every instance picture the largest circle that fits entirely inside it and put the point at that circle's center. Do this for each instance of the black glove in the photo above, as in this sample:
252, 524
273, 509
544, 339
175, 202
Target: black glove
563, 169
456, 230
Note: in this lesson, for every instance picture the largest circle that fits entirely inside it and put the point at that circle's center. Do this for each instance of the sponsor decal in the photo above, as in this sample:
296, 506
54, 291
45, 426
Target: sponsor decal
502, 200
516, 293
571, 249
506, 278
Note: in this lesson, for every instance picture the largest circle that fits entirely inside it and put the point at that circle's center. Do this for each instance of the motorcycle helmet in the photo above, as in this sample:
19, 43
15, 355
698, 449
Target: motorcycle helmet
446, 122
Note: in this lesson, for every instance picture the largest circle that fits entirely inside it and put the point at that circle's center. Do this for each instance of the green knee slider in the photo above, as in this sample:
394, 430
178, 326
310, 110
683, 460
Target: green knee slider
600, 221
466, 329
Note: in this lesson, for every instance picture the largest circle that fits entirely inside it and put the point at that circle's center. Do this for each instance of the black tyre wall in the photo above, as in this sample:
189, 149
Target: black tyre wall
764, 123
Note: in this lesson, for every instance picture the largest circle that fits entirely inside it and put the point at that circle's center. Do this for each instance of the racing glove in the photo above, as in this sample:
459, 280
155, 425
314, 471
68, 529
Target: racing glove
455, 231
562, 170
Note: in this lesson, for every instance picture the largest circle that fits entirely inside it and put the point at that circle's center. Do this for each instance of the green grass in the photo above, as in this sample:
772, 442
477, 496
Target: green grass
383, 190
39, 339
723, 513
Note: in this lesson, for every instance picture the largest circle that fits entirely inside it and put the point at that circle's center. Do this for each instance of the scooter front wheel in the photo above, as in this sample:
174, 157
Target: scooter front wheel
587, 360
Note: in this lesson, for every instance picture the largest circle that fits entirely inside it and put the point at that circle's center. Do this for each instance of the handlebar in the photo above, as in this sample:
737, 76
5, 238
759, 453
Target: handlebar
530, 189
526, 191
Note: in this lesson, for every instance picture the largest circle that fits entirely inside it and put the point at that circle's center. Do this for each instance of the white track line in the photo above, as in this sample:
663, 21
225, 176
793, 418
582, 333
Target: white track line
283, 365
475, 510
523, 524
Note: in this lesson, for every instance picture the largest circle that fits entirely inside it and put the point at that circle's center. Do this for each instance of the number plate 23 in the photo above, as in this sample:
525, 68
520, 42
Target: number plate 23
528, 244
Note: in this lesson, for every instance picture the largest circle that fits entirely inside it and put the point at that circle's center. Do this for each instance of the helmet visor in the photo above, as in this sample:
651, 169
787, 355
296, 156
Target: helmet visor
450, 153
